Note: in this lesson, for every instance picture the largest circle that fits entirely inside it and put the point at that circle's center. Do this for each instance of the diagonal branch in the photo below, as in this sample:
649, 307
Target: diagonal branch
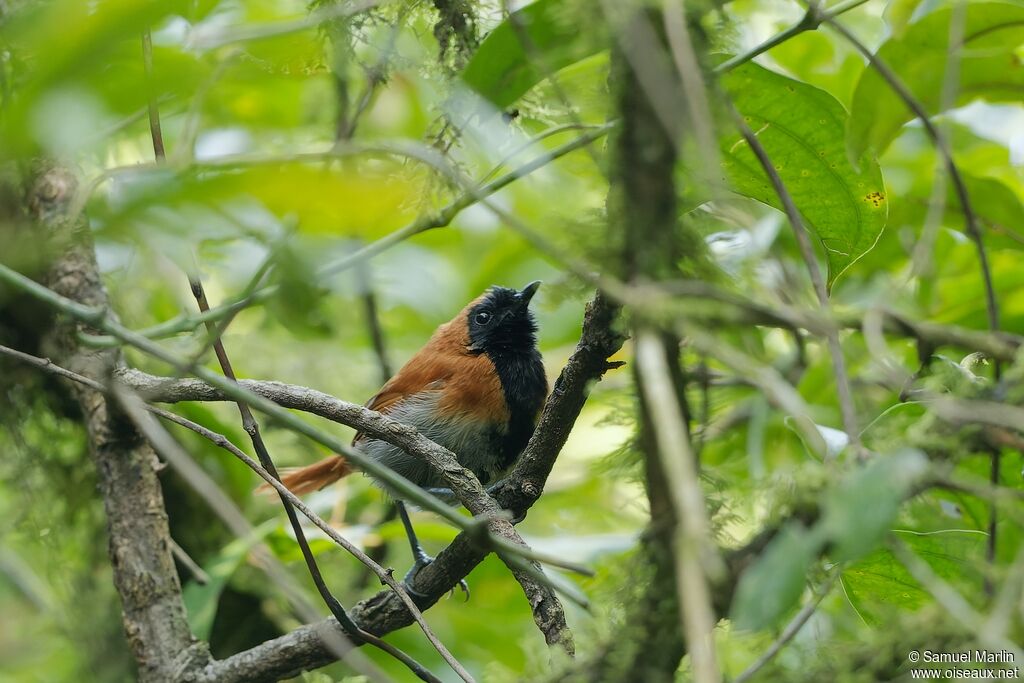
383, 612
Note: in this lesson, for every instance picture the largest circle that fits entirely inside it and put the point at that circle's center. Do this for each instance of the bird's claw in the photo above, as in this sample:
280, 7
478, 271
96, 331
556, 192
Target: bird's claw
422, 561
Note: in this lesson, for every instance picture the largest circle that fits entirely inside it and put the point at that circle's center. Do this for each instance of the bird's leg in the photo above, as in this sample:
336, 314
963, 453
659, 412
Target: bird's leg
420, 557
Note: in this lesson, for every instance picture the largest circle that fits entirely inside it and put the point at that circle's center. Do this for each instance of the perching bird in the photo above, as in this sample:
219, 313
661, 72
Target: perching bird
476, 388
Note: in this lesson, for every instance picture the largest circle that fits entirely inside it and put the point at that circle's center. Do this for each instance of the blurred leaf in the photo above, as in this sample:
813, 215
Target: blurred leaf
98, 28
297, 302
201, 599
364, 198
775, 582
801, 129
502, 69
859, 512
78, 80
988, 68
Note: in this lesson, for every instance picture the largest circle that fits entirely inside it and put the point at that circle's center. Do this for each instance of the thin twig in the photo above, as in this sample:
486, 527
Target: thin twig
369, 298
252, 428
810, 21
151, 106
201, 577
375, 76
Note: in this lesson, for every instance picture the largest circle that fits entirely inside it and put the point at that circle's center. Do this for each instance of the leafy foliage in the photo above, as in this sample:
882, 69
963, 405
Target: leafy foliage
987, 65
295, 138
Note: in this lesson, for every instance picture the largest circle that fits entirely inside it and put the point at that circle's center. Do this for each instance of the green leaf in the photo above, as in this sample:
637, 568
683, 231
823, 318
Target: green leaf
879, 582
802, 130
773, 585
503, 69
859, 512
201, 599
988, 68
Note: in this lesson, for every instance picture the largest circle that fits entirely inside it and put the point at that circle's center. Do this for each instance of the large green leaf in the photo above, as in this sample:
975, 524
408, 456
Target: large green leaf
879, 583
533, 42
988, 67
802, 130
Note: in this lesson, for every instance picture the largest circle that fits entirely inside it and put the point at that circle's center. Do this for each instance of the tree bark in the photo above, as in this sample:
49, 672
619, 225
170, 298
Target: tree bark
139, 541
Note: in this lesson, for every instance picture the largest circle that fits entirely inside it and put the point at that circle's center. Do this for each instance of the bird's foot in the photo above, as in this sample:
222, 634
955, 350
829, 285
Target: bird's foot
422, 560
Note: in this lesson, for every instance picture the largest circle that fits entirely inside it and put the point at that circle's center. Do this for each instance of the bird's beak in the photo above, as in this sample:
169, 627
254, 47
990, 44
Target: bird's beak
527, 293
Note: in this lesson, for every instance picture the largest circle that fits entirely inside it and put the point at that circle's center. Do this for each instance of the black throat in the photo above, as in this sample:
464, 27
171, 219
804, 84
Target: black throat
525, 386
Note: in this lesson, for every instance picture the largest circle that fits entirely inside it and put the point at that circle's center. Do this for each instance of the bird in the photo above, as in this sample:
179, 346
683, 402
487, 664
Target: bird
477, 388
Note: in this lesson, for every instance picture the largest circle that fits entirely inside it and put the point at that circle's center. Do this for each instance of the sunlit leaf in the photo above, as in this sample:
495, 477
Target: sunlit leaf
537, 40
879, 582
898, 14
801, 129
988, 67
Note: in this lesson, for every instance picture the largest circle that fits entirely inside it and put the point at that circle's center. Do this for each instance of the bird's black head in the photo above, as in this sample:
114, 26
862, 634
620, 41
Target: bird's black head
502, 321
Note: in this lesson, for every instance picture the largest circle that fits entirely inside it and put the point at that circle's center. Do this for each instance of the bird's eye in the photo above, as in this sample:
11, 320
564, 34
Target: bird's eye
482, 318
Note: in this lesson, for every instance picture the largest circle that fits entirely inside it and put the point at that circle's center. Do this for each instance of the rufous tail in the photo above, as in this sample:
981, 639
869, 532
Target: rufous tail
300, 480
